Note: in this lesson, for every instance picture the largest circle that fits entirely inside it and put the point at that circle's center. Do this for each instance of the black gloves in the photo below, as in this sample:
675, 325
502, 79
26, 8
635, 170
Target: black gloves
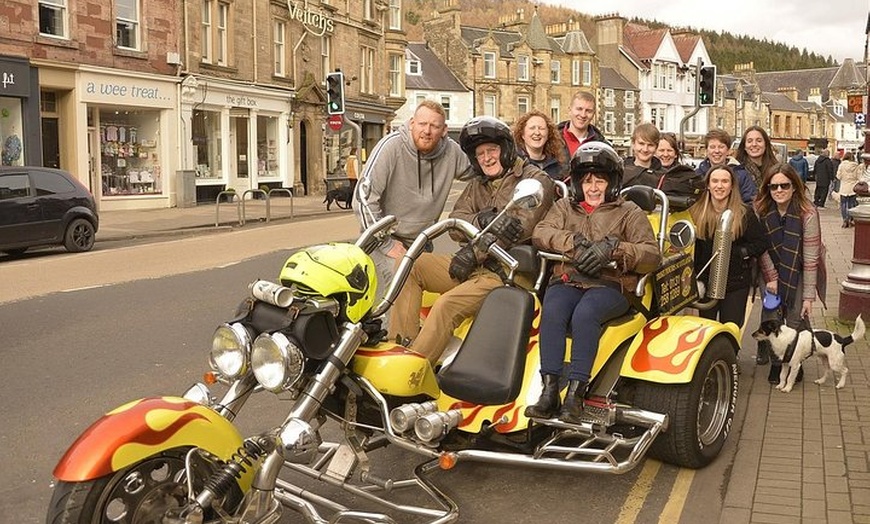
596, 256
508, 229
485, 217
580, 245
463, 264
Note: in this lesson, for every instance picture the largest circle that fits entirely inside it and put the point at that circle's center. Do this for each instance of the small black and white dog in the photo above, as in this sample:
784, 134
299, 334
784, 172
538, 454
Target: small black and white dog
793, 346
341, 196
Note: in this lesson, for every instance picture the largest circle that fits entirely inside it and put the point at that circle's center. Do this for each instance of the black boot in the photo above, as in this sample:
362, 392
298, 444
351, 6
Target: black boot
762, 354
572, 409
549, 402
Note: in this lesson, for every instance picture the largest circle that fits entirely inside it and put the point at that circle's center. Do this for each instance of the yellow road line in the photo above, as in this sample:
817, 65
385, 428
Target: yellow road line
639, 491
677, 500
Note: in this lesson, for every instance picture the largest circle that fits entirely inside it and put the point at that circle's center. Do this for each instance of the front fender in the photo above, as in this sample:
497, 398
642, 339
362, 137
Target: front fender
667, 349
144, 428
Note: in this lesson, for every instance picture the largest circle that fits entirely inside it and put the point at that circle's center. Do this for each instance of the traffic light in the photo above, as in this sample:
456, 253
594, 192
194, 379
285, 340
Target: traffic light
707, 86
335, 93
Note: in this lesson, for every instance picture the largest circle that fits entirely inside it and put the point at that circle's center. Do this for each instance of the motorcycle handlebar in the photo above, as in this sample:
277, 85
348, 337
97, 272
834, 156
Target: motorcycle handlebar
418, 247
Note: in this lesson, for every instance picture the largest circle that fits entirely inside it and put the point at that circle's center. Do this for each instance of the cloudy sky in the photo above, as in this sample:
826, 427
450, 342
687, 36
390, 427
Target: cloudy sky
827, 27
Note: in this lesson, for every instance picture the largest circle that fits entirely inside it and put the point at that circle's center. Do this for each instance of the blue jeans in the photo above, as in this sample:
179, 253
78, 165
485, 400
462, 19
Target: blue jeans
847, 203
585, 311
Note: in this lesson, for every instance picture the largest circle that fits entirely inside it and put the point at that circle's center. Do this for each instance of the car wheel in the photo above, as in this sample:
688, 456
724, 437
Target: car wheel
700, 413
79, 236
17, 252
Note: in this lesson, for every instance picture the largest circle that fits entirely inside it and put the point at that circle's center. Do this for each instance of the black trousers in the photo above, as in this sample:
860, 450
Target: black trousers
821, 195
732, 308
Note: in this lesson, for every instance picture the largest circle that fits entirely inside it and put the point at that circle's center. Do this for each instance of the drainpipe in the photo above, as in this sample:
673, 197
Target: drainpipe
295, 50
254, 37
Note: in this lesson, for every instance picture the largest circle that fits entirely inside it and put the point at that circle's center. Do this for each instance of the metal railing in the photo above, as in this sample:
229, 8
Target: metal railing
282, 190
232, 196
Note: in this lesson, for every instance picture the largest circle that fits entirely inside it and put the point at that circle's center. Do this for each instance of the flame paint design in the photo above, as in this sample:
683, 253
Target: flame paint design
674, 362
148, 422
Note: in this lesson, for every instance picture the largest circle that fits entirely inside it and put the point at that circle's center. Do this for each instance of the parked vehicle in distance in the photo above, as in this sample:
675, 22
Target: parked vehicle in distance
41, 206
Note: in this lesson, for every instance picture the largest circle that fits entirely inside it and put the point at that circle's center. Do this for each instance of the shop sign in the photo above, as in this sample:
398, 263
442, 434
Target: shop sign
367, 117
315, 21
14, 78
106, 89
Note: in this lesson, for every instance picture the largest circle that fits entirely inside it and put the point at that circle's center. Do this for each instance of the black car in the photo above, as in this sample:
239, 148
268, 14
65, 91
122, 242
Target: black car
41, 206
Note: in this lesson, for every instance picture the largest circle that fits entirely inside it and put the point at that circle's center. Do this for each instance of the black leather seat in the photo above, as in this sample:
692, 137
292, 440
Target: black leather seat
489, 367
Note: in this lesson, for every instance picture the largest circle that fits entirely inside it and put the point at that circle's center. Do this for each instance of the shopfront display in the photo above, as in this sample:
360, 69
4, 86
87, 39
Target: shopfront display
11, 142
19, 113
129, 150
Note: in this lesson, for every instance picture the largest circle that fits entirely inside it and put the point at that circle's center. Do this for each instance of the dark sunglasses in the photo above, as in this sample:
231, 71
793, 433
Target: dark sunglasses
784, 186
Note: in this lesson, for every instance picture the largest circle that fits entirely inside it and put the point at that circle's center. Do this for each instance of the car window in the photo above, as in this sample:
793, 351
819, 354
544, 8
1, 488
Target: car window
51, 184
14, 186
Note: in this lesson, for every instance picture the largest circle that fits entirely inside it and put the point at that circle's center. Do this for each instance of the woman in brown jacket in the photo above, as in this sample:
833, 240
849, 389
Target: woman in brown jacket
592, 228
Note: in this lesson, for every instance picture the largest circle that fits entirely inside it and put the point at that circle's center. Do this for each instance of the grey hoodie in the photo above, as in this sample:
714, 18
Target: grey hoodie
399, 180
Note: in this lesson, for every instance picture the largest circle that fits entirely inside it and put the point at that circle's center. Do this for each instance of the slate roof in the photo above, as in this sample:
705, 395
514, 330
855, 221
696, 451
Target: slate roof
435, 75
536, 35
824, 78
507, 40
781, 102
611, 78
575, 42
730, 84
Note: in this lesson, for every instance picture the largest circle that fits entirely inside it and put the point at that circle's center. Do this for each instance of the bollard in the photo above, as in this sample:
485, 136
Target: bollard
855, 290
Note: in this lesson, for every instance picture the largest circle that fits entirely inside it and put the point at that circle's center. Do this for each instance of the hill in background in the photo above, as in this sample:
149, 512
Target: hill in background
725, 49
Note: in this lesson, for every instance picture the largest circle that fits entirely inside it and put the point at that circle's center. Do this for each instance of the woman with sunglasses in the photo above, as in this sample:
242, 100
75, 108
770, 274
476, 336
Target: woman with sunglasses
794, 266
748, 239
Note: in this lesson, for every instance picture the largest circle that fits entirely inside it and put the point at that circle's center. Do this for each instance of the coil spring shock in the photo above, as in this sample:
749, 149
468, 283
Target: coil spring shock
222, 481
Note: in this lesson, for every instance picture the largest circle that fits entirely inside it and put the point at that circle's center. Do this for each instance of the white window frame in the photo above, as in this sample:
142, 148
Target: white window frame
609, 122
629, 100
672, 77
446, 104
368, 9
413, 67
207, 43
575, 72
609, 97
396, 65
587, 73
366, 69
489, 64
279, 34
490, 105
222, 27
555, 72
395, 18
523, 68
555, 110
61, 9
326, 53
130, 21
628, 125
524, 104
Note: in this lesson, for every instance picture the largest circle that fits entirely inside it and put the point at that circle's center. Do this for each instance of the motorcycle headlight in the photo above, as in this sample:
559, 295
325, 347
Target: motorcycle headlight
277, 362
230, 347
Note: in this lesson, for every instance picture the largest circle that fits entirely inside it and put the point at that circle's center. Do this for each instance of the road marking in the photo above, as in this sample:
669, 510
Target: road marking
639, 491
677, 500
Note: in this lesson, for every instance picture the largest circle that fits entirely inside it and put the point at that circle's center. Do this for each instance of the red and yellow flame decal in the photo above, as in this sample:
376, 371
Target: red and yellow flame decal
143, 428
668, 349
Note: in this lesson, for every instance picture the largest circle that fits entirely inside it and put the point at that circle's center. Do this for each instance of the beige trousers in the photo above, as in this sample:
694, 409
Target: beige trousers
457, 302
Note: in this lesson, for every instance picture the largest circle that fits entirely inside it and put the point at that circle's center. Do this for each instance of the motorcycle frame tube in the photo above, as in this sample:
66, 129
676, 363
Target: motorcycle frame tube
667, 350
236, 396
144, 428
311, 400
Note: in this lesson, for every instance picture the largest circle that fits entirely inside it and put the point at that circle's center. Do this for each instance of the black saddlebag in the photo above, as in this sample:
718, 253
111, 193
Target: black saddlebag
488, 369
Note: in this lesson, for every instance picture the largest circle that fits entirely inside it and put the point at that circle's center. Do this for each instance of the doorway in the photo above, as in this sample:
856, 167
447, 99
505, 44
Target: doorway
50, 142
239, 165
303, 155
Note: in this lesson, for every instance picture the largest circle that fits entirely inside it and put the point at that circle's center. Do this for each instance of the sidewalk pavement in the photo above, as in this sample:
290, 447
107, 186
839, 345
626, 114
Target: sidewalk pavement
801, 457
205, 218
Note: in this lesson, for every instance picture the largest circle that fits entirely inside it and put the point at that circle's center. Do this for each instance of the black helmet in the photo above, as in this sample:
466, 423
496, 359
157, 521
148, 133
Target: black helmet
488, 130
598, 158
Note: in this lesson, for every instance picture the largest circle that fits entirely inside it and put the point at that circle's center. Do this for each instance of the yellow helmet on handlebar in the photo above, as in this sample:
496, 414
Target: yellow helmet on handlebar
341, 271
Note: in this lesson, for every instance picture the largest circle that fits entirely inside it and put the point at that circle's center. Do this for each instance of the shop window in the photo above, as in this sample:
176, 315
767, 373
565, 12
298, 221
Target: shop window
11, 137
53, 18
206, 136
267, 146
127, 33
129, 152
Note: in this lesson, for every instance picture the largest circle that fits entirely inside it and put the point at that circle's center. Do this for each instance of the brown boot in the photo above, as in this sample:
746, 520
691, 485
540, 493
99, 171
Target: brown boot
548, 404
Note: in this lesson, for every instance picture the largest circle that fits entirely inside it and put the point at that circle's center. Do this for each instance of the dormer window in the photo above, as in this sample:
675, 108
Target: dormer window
414, 67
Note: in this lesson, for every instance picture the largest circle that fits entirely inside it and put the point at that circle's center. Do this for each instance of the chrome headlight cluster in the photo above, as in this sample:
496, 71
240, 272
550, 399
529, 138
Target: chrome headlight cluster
277, 362
230, 347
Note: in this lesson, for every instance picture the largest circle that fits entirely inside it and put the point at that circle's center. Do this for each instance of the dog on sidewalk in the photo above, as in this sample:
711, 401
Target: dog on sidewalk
793, 346
341, 196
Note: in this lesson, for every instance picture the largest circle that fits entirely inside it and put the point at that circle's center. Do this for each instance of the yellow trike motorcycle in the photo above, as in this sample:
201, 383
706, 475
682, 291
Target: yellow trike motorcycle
663, 384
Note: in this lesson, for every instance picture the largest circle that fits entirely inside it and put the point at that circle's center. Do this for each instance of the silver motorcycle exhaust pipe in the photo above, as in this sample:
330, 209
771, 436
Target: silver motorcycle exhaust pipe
404, 417
433, 426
